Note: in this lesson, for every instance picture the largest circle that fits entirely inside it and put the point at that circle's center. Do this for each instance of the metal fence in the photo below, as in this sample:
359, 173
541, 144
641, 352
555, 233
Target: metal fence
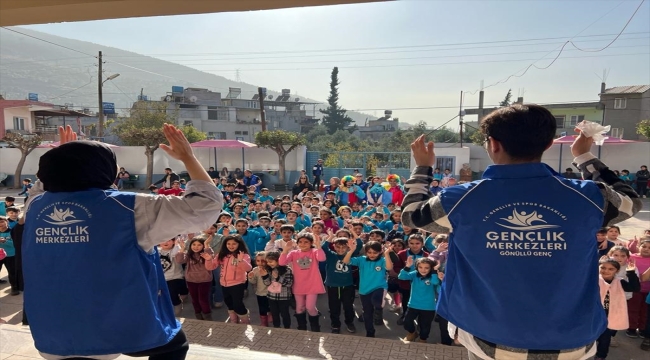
339, 164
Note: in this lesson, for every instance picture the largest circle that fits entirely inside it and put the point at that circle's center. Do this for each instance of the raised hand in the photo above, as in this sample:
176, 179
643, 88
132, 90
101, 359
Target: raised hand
240, 256
409, 262
262, 271
389, 248
180, 242
442, 247
178, 148
207, 241
226, 231
581, 145
206, 256
423, 153
352, 244
251, 275
317, 242
66, 135
441, 275
630, 265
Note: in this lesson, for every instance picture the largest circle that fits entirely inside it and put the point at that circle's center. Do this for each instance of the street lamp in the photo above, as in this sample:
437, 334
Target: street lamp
111, 77
100, 130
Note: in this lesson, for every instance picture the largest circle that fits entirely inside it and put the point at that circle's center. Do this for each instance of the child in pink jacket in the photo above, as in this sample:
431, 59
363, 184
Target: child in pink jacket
235, 262
307, 283
612, 296
198, 274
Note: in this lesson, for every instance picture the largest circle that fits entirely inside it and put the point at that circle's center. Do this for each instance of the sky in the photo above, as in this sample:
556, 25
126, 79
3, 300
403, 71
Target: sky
412, 57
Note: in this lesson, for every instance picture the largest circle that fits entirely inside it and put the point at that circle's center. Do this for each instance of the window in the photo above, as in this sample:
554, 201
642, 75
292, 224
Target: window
237, 132
559, 120
446, 162
616, 133
244, 132
217, 135
620, 103
575, 119
19, 123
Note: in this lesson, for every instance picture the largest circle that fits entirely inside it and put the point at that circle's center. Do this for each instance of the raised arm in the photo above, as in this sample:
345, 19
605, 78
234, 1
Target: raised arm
621, 201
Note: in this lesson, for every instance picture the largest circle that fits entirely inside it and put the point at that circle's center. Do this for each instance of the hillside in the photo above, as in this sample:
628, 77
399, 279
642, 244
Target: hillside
31, 66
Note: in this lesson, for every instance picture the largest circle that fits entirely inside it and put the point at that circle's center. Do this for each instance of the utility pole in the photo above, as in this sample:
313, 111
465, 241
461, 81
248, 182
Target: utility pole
460, 114
100, 126
261, 92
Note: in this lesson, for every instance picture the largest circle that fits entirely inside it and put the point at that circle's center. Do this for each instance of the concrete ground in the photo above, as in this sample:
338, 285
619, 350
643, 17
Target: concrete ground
227, 341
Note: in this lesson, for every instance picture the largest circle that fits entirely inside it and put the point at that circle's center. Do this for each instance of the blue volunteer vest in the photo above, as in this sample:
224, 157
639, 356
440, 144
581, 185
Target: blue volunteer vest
520, 270
90, 289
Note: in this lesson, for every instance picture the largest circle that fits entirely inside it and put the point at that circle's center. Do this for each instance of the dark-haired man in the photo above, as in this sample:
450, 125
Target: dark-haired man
168, 179
520, 280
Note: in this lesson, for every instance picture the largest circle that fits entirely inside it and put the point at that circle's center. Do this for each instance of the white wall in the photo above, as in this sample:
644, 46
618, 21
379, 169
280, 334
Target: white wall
617, 156
132, 158
462, 155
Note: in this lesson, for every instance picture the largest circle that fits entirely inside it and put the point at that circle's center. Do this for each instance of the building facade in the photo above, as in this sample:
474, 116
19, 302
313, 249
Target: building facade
29, 117
622, 108
376, 129
234, 117
625, 107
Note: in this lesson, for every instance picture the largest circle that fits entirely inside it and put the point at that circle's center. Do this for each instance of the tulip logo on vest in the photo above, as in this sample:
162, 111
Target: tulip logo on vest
62, 223
525, 229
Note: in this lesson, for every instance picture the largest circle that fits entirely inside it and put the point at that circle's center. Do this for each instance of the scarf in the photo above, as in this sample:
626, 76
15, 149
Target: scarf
77, 166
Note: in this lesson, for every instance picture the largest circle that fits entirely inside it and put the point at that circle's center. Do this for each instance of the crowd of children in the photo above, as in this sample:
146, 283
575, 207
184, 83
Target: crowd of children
346, 242
624, 287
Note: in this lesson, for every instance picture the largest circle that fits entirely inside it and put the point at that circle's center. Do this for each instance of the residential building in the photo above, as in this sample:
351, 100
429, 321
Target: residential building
376, 129
234, 117
33, 117
625, 107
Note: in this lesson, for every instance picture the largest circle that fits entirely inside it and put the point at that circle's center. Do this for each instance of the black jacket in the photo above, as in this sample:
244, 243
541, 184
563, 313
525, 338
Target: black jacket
172, 177
642, 176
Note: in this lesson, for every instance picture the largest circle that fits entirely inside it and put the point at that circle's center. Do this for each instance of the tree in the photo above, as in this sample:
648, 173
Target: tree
508, 99
643, 128
278, 140
334, 117
144, 128
26, 144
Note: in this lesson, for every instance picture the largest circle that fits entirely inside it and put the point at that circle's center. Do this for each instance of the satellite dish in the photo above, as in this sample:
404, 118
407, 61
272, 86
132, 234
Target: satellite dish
168, 98
297, 99
270, 97
193, 99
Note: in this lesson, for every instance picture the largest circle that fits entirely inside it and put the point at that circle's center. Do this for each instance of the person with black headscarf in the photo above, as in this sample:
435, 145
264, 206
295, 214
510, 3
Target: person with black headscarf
94, 285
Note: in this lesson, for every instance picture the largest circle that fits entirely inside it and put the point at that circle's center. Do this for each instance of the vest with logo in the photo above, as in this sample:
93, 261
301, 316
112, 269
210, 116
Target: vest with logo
520, 269
90, 289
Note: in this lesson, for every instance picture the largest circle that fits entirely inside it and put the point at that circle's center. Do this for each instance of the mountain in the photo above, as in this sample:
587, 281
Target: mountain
59, 75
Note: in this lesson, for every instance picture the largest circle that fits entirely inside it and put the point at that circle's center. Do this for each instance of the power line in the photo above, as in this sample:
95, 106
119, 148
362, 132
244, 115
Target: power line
118, 88
404, 65
49, 42
367, 48
617, 36
387, 59
561, 49
80, 87
393, 59
183, 61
